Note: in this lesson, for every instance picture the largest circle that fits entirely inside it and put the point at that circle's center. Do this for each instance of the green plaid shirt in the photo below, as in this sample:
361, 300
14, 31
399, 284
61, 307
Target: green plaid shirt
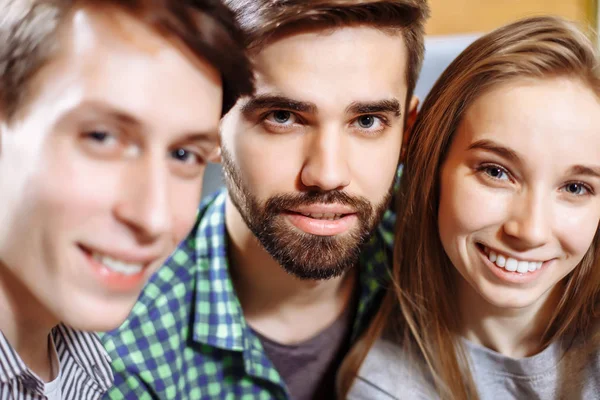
187, 338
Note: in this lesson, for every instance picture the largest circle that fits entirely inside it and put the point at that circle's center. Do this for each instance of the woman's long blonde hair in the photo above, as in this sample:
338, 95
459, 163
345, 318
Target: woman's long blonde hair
417, 307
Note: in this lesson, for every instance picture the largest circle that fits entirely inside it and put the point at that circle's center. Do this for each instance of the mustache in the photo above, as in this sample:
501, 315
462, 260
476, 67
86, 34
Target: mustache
283, 202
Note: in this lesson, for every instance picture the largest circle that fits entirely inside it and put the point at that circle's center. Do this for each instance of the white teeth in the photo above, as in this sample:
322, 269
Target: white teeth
523, 266
117, 265
512, 264
326, 216
501, 261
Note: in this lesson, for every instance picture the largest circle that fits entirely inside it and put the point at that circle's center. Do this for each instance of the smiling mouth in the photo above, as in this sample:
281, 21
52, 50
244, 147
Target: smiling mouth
508, 263
115, 265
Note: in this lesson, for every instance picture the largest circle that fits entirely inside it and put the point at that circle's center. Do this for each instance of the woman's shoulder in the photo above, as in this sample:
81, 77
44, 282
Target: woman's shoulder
390, 372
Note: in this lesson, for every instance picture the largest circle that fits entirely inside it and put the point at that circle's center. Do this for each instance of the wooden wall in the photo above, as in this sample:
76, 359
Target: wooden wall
467, 16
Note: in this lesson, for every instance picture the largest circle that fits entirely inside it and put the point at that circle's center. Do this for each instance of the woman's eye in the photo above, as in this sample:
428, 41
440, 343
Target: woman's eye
495, 172
577, 189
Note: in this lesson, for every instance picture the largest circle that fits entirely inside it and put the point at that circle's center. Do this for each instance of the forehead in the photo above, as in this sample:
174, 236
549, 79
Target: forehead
109, 57
555, 119
334, 66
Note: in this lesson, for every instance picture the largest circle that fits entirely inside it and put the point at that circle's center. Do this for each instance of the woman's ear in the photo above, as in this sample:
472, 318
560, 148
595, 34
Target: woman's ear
410, 122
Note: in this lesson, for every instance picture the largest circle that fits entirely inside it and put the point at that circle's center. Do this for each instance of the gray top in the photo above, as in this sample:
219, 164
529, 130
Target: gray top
309, 368
564, 370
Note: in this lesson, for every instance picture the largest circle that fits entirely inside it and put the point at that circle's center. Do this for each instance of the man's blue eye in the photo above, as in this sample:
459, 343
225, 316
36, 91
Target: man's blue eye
180, 154
281, 116
98, 135
366, 121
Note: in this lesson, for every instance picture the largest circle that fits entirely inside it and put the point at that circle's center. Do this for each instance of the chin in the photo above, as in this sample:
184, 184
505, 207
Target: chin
509, 299
97, 317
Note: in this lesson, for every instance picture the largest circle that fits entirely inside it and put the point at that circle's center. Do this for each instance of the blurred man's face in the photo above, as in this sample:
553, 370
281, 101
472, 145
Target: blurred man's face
101, 173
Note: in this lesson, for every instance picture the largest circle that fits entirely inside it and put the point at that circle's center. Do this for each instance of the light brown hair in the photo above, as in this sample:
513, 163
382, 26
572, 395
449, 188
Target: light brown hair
264, 20
417, 308
29, 30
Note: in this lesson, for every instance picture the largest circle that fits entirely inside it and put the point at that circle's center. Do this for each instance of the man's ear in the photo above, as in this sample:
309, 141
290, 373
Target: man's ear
215, 155
410, 122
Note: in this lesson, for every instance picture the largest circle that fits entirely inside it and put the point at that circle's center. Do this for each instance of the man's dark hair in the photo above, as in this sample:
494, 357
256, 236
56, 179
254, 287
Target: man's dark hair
263, 20
207, 28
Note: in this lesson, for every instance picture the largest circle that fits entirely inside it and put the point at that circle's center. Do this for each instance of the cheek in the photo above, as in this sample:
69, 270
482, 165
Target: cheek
374, 164
576, 228
184, 203
268, 163
55, 211
467, 206
77, 189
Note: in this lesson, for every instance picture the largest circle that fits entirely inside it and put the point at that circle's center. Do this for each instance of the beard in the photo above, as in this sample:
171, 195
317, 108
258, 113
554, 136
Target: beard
306, 256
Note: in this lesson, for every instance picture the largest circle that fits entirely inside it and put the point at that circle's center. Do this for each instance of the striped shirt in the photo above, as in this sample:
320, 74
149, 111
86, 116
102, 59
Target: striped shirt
84, 368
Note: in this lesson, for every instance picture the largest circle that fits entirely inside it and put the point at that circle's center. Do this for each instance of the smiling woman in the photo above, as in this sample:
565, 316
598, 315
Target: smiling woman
496, 255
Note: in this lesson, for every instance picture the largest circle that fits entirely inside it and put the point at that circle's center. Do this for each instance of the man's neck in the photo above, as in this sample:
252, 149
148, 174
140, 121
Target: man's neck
25, 326
276, 304
513, 332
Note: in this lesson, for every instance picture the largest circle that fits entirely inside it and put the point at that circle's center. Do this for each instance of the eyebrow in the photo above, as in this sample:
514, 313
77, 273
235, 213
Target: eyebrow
381, 106
210, 137
270, 102
585, 170
100, 108
493, 147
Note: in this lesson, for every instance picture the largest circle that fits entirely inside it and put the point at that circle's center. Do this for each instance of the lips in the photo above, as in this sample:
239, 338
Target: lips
326, 211
511, 264
322, 222
119, 270
324, 216
118, 266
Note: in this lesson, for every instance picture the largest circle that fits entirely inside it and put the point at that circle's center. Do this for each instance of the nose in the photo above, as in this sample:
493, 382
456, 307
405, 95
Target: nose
326, 164
144, 205
530, 220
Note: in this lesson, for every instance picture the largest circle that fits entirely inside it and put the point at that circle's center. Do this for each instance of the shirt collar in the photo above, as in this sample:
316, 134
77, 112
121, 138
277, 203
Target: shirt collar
219, 320
11, 364
82, 347
88, 353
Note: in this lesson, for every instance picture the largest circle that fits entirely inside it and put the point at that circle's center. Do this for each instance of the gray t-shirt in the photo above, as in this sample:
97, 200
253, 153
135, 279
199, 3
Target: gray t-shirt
567, 369
309, 368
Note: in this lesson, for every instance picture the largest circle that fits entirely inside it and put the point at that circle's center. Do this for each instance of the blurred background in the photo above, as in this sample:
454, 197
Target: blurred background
454, 24
450, 17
